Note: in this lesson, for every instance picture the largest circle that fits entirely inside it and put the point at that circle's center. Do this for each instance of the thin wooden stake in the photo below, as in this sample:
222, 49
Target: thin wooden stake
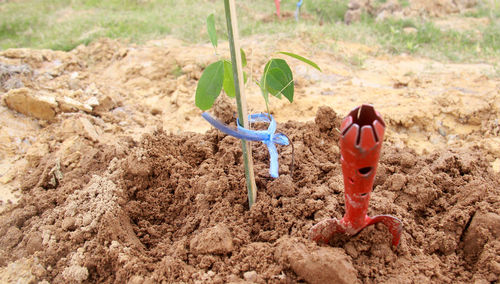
241, 102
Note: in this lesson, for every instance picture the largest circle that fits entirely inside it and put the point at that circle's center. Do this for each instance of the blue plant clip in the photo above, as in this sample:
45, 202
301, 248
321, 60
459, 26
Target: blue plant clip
267, 137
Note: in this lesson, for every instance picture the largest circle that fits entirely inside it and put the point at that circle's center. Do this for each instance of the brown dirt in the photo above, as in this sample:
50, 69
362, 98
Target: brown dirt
124, 183
174, 208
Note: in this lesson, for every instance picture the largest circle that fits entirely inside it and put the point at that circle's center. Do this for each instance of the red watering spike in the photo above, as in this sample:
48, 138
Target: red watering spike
362, 135
277, 3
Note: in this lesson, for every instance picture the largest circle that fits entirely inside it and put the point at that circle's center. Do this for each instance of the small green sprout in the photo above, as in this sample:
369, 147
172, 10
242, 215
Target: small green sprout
277, 78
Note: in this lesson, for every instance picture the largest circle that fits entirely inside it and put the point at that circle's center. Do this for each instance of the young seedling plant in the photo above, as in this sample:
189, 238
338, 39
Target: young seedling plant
276, 79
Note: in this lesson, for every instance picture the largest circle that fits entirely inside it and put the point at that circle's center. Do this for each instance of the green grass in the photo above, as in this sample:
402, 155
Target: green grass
58, 25
327, 10
485, 8
63, 25
431, 41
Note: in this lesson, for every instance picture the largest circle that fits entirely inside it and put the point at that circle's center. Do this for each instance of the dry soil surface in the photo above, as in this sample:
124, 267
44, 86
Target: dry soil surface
108, 173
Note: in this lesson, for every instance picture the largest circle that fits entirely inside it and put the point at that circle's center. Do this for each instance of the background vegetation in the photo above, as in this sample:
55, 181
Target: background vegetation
63, 25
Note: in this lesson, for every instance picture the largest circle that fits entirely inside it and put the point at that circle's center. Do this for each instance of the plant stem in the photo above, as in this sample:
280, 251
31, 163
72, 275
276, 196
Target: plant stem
234, 46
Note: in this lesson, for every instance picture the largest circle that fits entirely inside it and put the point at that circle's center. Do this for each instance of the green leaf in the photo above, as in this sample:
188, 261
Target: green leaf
211, 29
229, 79
275, 81
281, 82
228, 84
243, 58
209, 85
278, 83
305, 60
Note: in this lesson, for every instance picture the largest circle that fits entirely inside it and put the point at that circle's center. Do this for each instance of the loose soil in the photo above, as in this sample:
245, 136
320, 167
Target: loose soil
122, 181
174, 208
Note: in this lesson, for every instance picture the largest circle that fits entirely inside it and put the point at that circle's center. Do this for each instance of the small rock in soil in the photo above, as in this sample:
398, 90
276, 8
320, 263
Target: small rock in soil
483, 227
90, 131
316, 264
11, 238
250, 276
76, 273
24, 101
68, 104
34, 243
217, 240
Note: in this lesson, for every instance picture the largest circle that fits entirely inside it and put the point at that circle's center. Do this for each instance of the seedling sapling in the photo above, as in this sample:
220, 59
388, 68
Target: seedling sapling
277, 80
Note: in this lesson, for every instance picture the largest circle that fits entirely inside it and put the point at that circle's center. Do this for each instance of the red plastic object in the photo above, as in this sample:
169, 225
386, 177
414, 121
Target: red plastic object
277, 3
362, 135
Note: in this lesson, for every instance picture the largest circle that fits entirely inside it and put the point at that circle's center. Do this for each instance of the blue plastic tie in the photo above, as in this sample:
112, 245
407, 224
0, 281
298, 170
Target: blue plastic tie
268, 137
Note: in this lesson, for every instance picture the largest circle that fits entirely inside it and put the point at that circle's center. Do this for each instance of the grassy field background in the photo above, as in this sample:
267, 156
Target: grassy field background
63, 25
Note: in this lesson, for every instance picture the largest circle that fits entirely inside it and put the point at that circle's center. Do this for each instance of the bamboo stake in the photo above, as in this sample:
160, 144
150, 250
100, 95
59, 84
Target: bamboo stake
241, 102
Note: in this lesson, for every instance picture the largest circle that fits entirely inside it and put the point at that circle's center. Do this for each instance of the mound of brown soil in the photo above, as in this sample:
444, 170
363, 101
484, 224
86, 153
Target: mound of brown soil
174, 208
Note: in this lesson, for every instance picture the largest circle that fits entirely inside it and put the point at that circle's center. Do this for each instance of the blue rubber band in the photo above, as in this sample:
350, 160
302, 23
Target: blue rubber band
268, 137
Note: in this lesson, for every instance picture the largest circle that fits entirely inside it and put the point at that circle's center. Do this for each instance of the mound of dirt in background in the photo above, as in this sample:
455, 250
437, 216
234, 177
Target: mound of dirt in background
174, 208
442, 7
395, 8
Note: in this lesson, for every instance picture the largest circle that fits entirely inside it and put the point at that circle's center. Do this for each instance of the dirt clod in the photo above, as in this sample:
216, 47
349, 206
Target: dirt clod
316, 264
483, 228
250, 276
215, 240
75, 273
25, 102
11, 238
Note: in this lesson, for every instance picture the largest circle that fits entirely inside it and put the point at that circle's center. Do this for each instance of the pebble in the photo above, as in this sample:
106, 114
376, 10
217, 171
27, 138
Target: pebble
250, 276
